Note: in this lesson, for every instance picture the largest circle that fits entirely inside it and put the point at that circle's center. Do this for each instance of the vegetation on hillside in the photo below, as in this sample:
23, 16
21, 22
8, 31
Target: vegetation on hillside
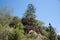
12, 27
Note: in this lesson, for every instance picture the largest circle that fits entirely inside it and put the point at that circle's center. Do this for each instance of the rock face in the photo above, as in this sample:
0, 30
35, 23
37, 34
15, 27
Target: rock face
39, 37
35, 35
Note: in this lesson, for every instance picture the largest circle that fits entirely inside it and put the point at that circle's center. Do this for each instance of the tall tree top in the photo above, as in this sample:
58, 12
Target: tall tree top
30, 12
31, 8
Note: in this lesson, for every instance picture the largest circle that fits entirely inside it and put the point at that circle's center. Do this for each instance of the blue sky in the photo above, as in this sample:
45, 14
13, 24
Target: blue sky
46, 10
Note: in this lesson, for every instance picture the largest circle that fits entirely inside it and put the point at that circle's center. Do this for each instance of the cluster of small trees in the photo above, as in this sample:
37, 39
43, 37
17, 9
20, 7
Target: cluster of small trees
12, 27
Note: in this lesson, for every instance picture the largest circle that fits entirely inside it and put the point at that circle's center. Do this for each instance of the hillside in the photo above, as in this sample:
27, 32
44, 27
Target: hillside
25, 28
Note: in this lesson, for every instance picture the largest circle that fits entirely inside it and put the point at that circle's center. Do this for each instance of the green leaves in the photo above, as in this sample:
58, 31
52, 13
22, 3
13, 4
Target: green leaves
12, 28
52, 33
58, 37
30, 11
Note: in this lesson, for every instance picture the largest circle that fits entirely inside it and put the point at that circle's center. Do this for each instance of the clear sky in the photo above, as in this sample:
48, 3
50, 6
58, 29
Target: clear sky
46, 10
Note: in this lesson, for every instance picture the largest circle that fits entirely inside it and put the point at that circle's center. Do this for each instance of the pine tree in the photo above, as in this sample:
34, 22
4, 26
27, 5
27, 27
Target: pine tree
52, 33
29, 15
30, 11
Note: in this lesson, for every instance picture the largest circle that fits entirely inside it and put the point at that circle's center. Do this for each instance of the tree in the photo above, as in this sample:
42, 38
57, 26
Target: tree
52, 33
58, 37
30, 11
15, 20
5, 16
29, 17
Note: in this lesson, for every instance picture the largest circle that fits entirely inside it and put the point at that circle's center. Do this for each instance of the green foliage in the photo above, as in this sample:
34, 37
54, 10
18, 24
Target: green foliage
43, 32
30, 11
58, 37
37, 22
0, 27
20, 31
5, 16
52, 33
12, 28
